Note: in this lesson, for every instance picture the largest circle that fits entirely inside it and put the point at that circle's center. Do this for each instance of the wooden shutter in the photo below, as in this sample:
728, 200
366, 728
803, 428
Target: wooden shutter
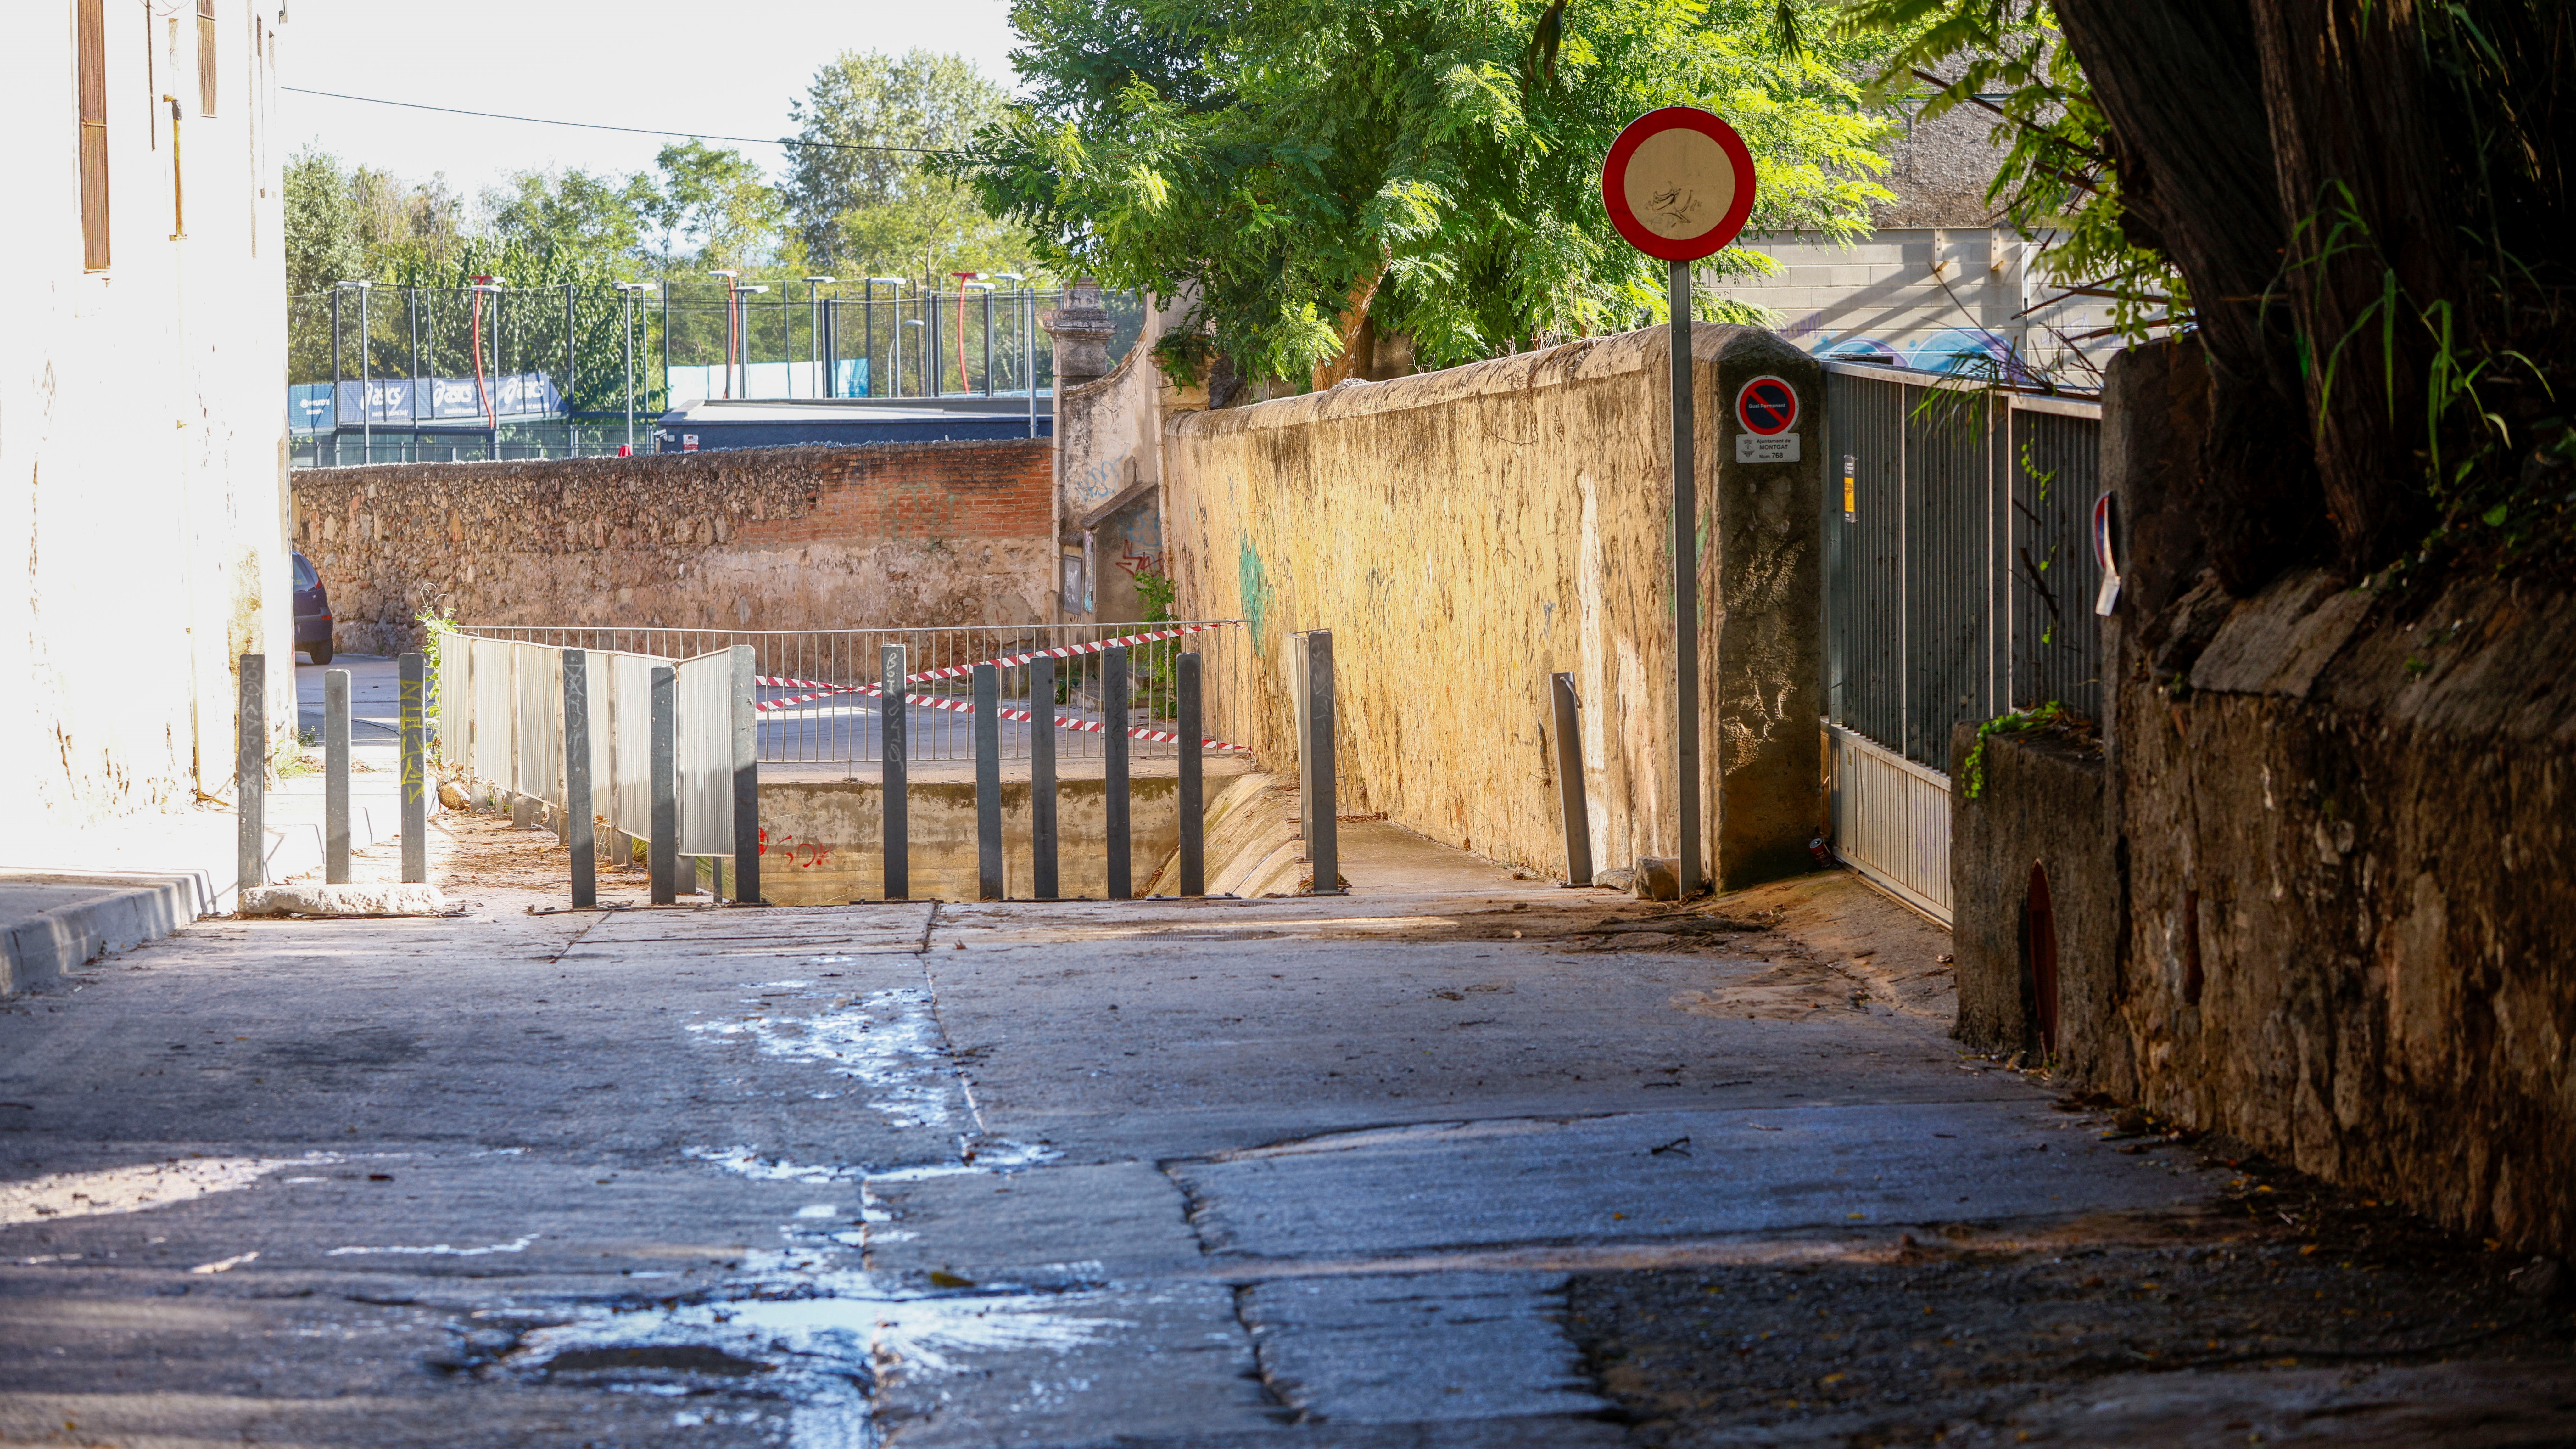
206, 57
90, 21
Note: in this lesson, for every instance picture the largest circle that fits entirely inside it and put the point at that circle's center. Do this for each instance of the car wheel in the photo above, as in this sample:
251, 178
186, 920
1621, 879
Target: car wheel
321, 652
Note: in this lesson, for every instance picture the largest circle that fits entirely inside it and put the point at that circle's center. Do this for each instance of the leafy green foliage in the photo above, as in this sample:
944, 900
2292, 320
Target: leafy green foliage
1296, 166
2058, 180
862, 212
2049, 717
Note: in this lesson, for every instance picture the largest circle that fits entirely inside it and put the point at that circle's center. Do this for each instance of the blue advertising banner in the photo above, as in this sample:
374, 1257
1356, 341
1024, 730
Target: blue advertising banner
309, 406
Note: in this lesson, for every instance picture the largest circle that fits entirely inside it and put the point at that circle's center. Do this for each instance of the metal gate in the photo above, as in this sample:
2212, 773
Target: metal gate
1959, 584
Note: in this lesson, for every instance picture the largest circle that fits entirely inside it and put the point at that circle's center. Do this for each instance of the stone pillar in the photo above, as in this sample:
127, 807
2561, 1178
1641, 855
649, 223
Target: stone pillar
1081, 329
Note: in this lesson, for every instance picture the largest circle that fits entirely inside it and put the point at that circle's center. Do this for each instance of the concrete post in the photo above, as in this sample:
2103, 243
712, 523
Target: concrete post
662, 851
412, 674
335, 776
1569, 780
893, 716
1113, 751
988, 783
1042, 837
746, 774
250, 771
1324, 845
577, 812
1193, 791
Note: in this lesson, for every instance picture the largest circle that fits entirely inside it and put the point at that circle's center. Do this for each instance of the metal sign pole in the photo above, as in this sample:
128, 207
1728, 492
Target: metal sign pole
1678, 184
1685, 589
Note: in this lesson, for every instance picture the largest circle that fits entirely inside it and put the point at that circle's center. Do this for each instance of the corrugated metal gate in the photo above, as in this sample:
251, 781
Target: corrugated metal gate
1959, 583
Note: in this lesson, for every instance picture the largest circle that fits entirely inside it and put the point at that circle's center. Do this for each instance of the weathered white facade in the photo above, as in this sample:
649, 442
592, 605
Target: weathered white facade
142, 448
1938, 277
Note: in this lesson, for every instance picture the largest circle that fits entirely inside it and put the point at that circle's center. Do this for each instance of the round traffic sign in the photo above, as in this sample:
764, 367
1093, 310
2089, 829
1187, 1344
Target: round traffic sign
1678, 183
1767, 405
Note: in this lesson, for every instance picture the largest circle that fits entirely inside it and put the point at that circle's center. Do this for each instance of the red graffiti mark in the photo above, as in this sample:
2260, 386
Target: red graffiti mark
802, 856
1140, 563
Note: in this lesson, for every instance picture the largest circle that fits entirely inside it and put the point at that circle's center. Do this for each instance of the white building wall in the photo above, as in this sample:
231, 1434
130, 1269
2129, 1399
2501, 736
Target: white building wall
1920, 293
142, 444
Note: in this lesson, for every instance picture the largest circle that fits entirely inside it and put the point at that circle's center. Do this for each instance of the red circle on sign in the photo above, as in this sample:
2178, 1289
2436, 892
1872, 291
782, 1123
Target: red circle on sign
1767, 405
1614, 184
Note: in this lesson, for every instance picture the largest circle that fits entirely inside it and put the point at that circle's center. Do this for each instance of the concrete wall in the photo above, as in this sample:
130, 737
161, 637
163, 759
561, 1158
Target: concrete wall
781, 538
143, 497
1466, 533
823, 842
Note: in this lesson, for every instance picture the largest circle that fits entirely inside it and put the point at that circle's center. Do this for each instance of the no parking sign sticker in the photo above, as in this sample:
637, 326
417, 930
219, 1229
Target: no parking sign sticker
1766, 408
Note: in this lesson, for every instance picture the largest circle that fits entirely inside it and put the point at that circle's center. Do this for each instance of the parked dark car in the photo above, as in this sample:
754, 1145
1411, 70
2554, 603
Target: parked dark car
312, 612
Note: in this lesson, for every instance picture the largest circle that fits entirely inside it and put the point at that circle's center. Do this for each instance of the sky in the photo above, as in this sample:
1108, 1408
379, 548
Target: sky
728, 68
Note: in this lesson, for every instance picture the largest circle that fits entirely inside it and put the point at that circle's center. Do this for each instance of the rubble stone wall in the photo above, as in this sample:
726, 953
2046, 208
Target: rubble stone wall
2346, 817
777, 538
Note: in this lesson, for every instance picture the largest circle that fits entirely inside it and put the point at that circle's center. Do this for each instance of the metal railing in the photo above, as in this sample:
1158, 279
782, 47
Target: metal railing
1959, 584
1959, 568
820, 700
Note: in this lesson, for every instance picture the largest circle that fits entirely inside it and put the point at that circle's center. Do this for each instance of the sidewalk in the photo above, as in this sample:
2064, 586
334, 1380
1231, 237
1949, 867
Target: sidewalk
66, 898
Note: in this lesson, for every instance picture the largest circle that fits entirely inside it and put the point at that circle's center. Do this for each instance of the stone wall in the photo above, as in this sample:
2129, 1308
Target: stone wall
778, 538
1466, 533
2034, 868
2344, 819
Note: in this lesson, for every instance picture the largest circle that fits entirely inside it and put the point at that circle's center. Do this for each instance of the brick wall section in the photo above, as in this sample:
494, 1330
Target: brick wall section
771, 538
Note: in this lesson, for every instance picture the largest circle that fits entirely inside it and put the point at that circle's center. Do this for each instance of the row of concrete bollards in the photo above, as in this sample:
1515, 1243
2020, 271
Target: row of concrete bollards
250, 772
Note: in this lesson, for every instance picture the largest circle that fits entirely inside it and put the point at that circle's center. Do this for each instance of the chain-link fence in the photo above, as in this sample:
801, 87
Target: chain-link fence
430, 374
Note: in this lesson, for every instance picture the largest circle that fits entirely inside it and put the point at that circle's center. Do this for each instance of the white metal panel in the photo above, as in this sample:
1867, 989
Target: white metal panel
495, 729
628, 797
540, 755
1891, 820
454, 662
705, 754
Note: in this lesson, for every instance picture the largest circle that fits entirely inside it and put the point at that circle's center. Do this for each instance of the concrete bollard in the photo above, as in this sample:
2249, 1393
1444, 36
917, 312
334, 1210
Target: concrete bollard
412, 677
662, 851
1193, 787
1323, 847
250, 773
335, 776
988, 783
1113, 752
1577, 811
892, 750
578, 828
1042, 836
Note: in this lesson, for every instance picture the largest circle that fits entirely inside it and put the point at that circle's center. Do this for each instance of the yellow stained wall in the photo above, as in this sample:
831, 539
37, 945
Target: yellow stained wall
1466, 533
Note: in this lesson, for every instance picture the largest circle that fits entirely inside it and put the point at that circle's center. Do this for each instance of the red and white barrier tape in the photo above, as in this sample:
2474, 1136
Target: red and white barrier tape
960, 671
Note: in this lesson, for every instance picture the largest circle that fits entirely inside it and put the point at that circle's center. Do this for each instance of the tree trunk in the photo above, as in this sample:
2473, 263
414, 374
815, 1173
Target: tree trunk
2374, 237
2181, 87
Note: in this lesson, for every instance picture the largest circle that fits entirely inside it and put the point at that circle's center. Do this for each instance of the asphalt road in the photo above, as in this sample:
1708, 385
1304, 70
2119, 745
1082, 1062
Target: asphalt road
1334, 1173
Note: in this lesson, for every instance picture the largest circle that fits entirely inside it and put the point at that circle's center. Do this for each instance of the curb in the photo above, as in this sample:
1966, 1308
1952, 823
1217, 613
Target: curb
52, 921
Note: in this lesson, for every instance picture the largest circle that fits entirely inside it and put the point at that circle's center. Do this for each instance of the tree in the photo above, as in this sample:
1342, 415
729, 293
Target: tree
2365, 205
714, 209
906, 106
1316, 171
